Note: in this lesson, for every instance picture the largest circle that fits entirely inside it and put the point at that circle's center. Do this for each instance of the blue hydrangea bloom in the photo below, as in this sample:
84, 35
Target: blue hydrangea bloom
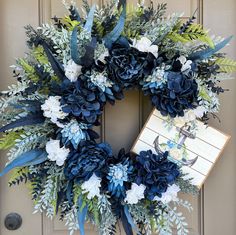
118, 174
74, 132
170, 144
154, 81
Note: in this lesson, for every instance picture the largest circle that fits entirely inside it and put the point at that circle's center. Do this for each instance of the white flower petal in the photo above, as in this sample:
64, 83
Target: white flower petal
56, 153
170, 195
145, 45
52, 109
72, 70
92, 187
135, 194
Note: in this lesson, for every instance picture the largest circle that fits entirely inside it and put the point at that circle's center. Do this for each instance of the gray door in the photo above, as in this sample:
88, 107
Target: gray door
122, 122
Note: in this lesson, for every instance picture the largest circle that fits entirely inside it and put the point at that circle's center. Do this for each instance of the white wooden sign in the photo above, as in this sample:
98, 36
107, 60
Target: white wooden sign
197, 153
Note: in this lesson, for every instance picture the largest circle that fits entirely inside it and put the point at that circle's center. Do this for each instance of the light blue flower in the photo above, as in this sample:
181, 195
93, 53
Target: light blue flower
74, 132
101, 80
117, 175
170, 144
156, 80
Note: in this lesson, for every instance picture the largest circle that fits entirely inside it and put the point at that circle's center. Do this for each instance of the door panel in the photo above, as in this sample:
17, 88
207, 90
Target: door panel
220, 187
14, 15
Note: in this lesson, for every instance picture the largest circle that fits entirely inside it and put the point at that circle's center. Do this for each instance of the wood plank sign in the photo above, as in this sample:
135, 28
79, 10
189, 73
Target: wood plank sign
197, 151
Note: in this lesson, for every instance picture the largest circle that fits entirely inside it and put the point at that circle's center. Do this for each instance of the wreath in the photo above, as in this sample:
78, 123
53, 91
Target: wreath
73, 68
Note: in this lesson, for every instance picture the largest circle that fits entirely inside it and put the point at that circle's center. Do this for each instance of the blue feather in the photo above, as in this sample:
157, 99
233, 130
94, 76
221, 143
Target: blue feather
56, 65
89, 22
130, 220
82, 212
206, 53
74, 47
31, 119
113, 36
33, 157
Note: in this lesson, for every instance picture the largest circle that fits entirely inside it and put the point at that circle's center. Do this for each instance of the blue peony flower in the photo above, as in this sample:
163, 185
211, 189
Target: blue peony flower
88, 159
127, 66
180, 93
80, 101
156, 172
117, 175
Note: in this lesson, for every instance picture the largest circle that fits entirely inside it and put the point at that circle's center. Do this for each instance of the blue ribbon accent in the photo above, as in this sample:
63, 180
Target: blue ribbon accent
69, 191
82, 212
130, 220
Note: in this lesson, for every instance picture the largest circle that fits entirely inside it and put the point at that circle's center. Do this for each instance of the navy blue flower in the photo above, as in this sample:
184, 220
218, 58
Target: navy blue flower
127, 66
180, 93
80, 101
156, 172
90, 158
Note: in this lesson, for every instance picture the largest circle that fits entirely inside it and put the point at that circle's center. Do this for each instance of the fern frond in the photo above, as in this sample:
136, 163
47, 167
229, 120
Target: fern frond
28, 69
30, 139
226, 65
99, 27
40, 56
193, 32
8, 139
19, 175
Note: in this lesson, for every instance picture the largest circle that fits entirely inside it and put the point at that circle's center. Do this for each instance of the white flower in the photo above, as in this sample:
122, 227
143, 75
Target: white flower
170, 195
145, 45
56, 153
72, 70
52, 109
190, 116
186, 64
92, 187
176, 153
199, 111
135, 194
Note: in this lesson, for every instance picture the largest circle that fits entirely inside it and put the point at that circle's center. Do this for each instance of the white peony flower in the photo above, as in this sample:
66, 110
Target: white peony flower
52, 109
186, 64
56, 153
145, 45
72, 70
135, 194
170, 195
92, 187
